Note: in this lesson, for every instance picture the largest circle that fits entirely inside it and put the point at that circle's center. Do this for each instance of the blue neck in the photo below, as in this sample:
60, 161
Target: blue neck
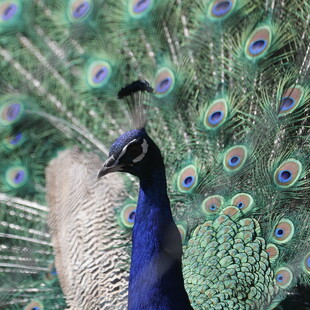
156, 280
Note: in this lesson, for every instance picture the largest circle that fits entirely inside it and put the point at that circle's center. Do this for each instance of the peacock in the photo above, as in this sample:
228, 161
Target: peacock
201, 108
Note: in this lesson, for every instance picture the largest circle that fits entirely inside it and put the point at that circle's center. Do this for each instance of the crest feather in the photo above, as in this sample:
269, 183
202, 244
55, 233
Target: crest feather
136, 96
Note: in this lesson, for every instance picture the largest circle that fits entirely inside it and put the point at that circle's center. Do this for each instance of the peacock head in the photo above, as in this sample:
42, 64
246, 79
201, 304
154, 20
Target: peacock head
133, 152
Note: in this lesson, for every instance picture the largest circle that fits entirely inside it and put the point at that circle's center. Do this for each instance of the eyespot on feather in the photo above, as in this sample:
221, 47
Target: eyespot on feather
283, 277
9, 11
258, 43
139, 8
34, 305
212, 204
52, 273
187, 179
128, 214
79, 10
14, 141
216, 114
272, 251
234, 158
11, 113
288, 173
290, 100
164, 82
219, 9
98, 73
16, 176
243, 201
284, 231
306, 263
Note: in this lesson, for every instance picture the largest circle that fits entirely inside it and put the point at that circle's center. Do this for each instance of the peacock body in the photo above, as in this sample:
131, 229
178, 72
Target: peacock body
229, 114
156, 280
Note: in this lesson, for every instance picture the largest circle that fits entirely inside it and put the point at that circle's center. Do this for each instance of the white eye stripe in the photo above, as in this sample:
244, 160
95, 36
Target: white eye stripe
125, 149
145, 147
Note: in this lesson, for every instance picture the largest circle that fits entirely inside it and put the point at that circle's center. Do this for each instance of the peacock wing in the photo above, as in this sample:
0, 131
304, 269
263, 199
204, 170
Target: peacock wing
91, 252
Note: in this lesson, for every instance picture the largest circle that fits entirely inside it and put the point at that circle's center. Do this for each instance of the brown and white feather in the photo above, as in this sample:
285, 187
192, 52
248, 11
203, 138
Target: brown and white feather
90, 254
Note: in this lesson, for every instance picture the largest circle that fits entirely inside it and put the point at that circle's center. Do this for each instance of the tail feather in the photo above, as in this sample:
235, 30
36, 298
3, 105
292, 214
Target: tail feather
229, 113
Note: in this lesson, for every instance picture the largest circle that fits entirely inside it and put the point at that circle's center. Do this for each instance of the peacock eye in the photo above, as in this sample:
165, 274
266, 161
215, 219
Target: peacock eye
134, 150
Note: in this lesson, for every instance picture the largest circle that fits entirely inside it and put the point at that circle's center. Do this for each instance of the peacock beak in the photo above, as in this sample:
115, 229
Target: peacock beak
109, 166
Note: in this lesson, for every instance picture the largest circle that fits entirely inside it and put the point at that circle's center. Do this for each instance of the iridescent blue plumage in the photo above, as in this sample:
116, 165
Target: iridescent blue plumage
156, 280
